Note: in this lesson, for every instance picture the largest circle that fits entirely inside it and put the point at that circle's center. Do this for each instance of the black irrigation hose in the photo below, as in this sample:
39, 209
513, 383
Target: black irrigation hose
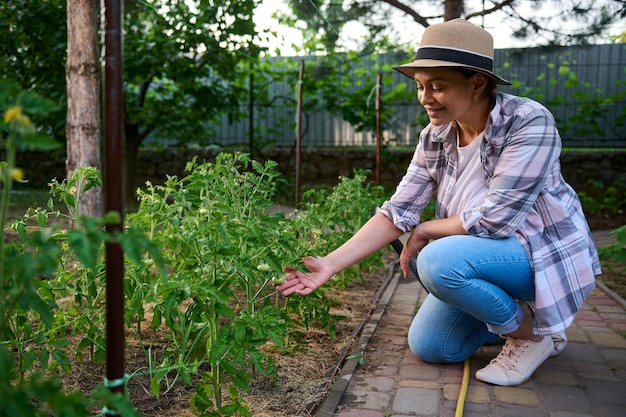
398, 246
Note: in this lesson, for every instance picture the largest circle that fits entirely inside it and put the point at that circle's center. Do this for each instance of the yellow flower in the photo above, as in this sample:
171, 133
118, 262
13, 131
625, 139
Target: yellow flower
23, 120
13, 113
17, 174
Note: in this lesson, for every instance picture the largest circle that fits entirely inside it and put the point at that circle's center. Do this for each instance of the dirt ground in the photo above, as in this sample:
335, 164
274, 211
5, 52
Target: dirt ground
301, 374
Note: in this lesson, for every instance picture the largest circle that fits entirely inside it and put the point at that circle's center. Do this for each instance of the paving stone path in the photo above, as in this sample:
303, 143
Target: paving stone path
588, 379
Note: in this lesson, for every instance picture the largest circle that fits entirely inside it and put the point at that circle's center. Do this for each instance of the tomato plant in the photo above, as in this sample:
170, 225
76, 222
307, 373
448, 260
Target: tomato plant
31, 345
203, 253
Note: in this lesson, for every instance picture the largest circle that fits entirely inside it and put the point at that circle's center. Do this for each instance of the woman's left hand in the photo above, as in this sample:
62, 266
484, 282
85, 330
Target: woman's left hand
412, 247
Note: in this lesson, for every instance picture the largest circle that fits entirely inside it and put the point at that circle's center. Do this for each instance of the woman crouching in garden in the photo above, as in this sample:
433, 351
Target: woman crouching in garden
510, 254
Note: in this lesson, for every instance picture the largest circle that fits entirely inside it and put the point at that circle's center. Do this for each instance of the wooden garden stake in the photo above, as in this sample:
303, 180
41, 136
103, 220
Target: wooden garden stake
299, 133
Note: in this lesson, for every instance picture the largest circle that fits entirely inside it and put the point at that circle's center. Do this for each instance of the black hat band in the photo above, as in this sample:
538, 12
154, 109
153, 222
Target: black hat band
454, 55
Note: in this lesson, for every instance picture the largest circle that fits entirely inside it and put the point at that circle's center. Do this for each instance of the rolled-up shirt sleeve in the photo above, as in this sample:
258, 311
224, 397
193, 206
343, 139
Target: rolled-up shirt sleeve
413, 193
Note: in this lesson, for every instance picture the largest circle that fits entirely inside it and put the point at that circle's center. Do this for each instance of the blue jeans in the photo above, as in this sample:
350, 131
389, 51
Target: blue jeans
473, 284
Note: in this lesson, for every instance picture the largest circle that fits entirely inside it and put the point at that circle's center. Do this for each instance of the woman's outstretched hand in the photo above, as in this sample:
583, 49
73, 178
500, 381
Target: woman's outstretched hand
304, 283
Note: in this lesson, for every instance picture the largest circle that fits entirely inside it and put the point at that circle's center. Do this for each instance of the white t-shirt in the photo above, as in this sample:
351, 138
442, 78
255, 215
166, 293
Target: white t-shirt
470, 189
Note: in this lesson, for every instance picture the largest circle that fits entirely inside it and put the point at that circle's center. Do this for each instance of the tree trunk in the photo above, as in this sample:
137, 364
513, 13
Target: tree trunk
452, 9
83, 98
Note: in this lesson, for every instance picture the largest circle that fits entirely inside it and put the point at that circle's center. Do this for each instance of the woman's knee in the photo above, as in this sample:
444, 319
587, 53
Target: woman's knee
432, 349
425, 346
438, 261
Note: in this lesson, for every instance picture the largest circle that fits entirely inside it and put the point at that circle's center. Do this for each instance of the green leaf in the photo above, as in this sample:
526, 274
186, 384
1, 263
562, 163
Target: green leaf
42, 218
21, 230
39, 142
112, 217
620, 234
156, 319
86, 248
155, 386
68, 199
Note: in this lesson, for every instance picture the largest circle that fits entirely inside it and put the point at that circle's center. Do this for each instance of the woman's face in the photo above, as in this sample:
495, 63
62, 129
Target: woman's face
447, 95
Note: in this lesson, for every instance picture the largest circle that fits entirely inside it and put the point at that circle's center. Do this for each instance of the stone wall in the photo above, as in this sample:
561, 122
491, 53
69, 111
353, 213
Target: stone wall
322, 165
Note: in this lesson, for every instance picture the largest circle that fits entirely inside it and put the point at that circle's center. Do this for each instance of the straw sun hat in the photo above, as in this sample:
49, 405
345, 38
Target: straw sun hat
455, 43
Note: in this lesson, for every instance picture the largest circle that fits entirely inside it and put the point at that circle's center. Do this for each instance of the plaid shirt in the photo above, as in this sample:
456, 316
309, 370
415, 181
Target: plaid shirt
528, 198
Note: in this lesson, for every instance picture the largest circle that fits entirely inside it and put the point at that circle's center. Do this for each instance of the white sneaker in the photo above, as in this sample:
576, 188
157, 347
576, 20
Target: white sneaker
560, 341
516, 362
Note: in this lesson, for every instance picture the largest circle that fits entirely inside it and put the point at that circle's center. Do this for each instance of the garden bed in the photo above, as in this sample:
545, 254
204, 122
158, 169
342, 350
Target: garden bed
302, 372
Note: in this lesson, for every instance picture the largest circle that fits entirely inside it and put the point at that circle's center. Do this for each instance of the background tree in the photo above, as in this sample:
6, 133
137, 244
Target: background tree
33, 43
33, 48
83, 98
538, 22
185, 64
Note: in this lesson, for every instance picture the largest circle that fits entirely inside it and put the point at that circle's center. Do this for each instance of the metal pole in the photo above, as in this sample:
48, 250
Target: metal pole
379, 80
114, 194
299, 133
251, 111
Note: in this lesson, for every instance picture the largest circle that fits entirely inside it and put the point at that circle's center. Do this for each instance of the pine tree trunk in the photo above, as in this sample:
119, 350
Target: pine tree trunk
83, 98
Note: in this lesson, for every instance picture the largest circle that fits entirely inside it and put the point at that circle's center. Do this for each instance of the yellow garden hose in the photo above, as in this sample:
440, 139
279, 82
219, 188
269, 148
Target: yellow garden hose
460, 403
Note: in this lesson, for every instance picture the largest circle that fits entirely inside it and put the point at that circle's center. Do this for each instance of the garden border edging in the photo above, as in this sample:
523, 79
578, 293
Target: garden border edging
333, 397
